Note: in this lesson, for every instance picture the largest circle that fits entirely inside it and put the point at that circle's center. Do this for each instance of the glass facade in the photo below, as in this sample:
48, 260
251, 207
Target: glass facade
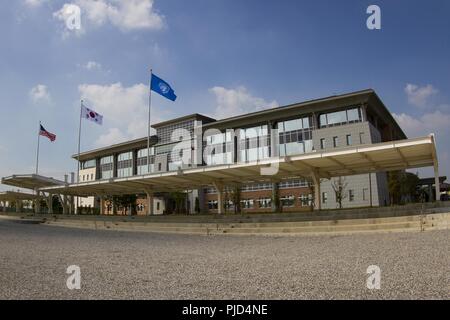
295, 136
88, 164
165, 133
125, 164
254, 144
141, 161
351, 115
107, 167
218, 148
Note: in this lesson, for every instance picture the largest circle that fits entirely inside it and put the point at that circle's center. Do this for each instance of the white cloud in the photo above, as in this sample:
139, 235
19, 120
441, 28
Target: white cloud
40, 93
232, 102
126, 15
92, 65
125, 110
434, 122
419, 96
34, 3
114, 135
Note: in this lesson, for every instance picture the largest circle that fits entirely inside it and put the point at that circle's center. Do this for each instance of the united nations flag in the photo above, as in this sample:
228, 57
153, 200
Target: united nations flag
163, 88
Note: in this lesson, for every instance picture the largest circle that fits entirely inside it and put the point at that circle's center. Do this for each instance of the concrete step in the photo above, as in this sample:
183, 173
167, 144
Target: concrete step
406, 223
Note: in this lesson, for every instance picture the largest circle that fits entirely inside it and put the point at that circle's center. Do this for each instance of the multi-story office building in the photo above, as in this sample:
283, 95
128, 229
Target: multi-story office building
336, 122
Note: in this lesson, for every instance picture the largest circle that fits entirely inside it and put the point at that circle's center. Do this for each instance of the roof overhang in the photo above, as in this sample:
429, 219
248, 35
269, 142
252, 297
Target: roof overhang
387, 156
31, 181
14, 196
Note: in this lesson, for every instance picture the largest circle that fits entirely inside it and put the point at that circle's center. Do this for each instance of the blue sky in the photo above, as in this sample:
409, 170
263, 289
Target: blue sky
223, 57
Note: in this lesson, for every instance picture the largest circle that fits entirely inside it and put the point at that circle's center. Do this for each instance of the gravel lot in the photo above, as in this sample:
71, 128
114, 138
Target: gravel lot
128, 265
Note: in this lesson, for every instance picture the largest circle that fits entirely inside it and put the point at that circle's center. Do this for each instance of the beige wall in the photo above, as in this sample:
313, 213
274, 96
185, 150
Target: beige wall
87, 175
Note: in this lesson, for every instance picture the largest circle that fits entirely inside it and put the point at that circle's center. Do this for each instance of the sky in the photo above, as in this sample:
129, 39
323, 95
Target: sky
222, 57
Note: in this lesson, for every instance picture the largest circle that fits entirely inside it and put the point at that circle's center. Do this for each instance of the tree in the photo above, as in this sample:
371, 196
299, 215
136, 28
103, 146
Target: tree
408, 186
394, 187
178, 198
57, 206
235, 194
340, 186
125, 202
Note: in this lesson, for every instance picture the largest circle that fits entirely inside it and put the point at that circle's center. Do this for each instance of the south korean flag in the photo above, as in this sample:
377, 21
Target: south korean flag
89, 114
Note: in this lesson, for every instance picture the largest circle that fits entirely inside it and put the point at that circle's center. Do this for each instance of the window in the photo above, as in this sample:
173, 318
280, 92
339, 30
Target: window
158, 205
92, 176
365, 194
159, 166
106, 167
349, 139
288, 201
88, 164
247, 203
351, 195
295, 136
335, 142
340, 117
125, 164
141, 161
265, 202
324, 197
213, 204
354, 115
306, 200
322, 143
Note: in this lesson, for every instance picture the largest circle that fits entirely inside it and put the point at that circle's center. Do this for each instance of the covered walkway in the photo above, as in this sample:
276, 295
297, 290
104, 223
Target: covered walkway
37, 183
386, 156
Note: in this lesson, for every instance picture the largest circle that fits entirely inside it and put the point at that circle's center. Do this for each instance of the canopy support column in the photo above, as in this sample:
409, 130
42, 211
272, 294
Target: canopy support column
50, 203
275, 196
317, 199
219, 188
150, 202
18, 205
436, 181
37, 203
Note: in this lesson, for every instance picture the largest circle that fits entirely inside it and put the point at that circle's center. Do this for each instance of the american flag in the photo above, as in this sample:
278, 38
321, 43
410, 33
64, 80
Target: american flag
45, 133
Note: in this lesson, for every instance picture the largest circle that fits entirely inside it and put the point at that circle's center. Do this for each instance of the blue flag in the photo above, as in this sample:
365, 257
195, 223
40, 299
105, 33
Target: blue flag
163, 88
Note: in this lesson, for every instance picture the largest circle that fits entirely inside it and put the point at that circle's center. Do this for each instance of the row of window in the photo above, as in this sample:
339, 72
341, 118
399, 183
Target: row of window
305, 200
349, 196
86, 177
294, 183
337, 143
340, 117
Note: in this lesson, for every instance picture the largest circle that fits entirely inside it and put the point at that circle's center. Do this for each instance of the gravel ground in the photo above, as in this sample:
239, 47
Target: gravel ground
129, 265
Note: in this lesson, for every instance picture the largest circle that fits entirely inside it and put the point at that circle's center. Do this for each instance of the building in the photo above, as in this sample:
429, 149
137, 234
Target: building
193, 141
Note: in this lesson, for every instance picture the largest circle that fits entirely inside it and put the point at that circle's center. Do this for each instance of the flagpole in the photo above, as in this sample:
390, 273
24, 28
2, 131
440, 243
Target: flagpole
37, 151
149, 113
79, 143
78, 158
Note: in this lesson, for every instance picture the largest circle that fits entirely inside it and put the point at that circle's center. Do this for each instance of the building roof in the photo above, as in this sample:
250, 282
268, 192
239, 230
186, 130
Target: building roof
315, 105
430, 181
193, 116
116, 148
